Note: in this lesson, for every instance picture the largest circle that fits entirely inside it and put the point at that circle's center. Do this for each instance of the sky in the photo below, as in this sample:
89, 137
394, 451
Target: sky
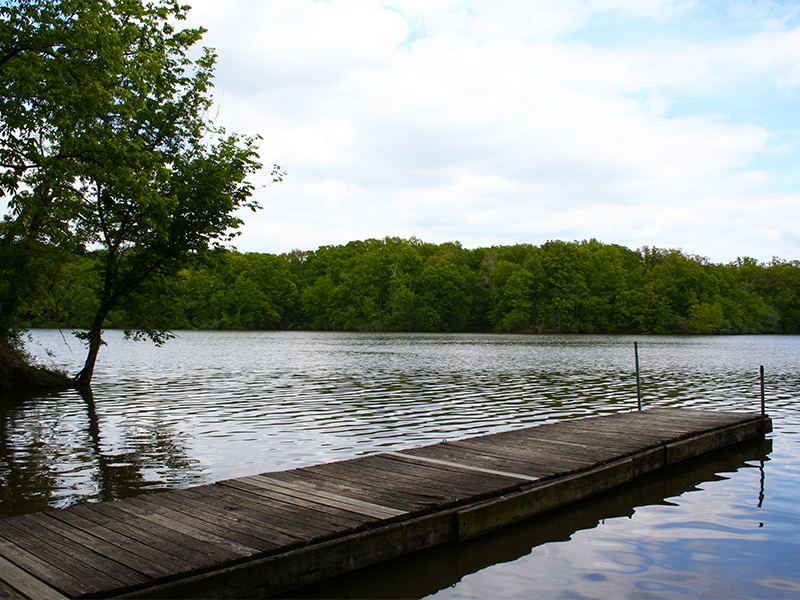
667, 123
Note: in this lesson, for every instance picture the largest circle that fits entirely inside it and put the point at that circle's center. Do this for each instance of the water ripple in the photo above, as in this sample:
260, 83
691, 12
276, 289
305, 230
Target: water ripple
213, 405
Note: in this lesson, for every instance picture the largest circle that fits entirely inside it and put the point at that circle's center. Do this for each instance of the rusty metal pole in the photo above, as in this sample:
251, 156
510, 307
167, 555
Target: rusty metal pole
638, 381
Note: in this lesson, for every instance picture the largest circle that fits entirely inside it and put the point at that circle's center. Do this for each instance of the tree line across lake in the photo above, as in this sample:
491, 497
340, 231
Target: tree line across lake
395, 284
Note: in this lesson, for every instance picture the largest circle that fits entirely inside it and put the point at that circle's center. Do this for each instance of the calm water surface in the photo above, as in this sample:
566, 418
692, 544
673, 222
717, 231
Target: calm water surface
214, 405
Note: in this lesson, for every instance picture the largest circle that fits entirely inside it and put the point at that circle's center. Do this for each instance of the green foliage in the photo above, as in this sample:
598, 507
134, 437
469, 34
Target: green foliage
406, 285
252, 291
444, 303
104, 142
707, 317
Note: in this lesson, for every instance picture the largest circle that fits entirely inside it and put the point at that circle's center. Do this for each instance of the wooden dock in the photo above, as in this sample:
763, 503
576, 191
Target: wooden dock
270, 533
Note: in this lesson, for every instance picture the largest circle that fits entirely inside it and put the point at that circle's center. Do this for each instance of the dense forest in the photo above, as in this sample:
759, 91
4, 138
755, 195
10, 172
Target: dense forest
394, 284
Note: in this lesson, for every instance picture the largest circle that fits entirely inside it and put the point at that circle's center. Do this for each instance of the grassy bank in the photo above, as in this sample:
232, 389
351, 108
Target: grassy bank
18, 371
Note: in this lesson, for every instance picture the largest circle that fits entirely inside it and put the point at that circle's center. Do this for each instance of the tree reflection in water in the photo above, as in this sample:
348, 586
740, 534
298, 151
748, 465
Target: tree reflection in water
53, 453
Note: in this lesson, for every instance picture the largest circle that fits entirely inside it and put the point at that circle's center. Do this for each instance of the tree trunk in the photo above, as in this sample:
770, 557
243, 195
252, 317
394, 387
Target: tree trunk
84, 377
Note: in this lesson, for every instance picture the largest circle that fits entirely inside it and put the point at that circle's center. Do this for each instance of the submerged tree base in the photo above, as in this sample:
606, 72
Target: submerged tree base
18, 373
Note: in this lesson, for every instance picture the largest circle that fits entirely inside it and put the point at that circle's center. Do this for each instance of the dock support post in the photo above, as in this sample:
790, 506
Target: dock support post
761, 376
638, 384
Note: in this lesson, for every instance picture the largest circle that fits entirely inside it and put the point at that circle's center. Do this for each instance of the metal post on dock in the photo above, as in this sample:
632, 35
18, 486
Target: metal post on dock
638, 384
761, 374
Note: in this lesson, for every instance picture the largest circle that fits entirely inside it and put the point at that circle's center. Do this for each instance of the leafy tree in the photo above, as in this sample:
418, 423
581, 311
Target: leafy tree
402, 308
444, 302
48, 89
104, 141
40, 109
407, 285
516, 305
148, 233
706, 317
69, 299
253, 291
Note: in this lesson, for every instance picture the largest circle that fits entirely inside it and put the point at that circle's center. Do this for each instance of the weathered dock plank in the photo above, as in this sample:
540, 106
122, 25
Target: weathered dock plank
271, 518
17, 582
203, 516
363, 479
187, 554
148, 567
310, 492
216, 534
113, 539
318, 519
43, 568
267, 533
27, 532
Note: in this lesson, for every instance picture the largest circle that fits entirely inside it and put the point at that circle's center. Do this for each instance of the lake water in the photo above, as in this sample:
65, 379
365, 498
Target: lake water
213, 405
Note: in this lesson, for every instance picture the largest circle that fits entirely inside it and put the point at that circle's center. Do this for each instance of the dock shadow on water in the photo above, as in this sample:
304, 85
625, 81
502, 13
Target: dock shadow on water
430, 571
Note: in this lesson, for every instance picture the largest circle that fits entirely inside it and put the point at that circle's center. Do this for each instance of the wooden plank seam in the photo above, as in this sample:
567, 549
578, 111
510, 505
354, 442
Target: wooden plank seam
448, 463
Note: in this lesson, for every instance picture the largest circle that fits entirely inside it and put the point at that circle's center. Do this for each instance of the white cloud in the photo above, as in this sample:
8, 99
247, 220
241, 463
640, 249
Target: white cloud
481, 122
